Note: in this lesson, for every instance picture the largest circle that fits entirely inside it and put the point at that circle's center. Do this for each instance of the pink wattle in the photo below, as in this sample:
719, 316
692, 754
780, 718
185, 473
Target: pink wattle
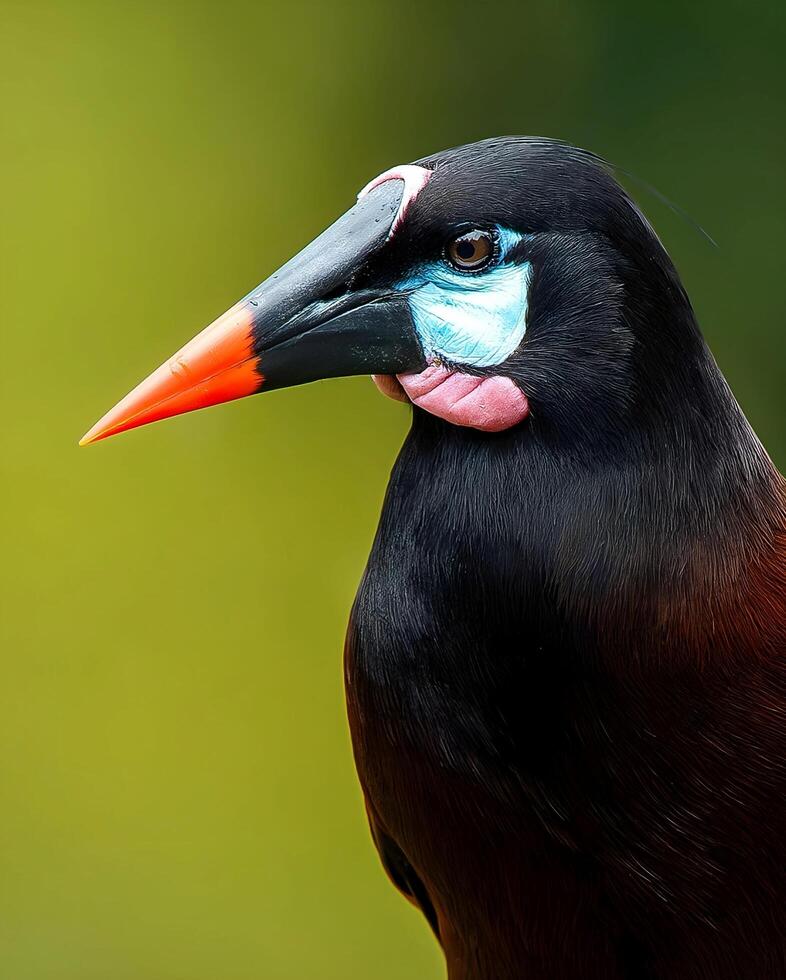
488, 404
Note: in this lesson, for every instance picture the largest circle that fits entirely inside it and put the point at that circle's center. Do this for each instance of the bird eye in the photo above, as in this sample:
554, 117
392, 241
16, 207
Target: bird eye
471, 251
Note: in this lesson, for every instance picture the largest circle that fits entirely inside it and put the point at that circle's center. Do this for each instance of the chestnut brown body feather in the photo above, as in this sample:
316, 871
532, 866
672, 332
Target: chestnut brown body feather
612, 807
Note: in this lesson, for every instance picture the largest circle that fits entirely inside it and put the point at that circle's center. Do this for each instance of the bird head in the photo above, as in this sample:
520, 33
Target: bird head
487, 284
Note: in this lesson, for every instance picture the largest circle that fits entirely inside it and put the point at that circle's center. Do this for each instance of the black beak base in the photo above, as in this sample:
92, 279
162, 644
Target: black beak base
308, 323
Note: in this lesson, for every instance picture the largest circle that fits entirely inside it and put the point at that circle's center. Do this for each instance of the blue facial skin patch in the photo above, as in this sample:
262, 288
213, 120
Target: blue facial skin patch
477, 319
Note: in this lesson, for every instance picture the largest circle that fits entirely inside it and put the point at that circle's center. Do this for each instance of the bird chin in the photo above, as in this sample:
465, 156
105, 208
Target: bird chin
489, 404
390, 386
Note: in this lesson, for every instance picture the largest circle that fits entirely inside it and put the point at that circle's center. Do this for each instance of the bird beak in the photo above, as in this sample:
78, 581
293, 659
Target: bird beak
302, 324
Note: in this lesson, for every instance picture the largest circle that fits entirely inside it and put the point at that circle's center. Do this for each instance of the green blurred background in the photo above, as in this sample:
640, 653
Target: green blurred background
177, 795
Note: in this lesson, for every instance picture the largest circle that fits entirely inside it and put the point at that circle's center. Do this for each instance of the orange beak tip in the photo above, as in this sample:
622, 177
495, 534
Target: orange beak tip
218, 365
88, 438
98, 432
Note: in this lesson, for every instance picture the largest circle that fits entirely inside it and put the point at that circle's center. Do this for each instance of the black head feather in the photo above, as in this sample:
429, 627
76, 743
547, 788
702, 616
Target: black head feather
612, 354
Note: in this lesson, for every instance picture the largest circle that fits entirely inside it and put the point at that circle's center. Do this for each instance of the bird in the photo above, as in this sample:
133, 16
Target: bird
565, 665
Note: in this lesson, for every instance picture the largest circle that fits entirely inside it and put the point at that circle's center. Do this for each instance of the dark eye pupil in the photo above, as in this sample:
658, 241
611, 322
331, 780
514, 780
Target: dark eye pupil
466, 249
